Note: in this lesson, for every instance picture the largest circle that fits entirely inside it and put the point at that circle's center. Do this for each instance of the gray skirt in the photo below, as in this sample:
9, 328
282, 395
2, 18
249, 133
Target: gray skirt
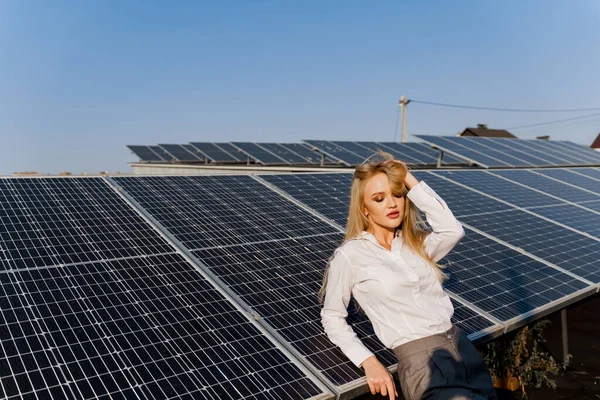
445, 366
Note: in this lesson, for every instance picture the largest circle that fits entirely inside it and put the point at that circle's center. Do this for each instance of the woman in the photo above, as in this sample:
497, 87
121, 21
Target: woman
388, 262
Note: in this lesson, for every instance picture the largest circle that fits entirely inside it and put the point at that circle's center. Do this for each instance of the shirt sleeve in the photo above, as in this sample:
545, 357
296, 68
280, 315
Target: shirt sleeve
447, 231
334, 312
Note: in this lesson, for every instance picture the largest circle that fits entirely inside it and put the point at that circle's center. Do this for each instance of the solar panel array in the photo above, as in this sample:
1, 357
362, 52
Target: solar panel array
510, 153
96, 302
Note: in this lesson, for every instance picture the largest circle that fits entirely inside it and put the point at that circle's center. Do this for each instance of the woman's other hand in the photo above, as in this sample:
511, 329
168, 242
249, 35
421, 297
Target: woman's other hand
379, 378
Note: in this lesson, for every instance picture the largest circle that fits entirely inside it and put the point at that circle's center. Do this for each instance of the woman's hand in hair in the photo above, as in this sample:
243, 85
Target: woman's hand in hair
410, 180
379, 378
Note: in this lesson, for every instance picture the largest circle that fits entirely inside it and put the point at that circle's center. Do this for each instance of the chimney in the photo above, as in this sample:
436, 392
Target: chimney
482, 126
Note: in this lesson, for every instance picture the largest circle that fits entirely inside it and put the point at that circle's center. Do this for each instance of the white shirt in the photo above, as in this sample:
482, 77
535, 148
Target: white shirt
397, 289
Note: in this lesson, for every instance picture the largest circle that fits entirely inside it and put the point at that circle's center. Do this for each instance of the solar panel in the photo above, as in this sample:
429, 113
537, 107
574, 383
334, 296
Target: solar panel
179, 153
503, 152
145, 153
336, 152
259, 154
547, 185
285, 153
91, 318
327, 194
584, 153
307, 153
503, 281
215, 153
234, 151
573, 178
528, 147
425, 148
462, 201
460, 149
590, 172
412, 155
542, 147
573, 216
553, 243
500, 188
354, 147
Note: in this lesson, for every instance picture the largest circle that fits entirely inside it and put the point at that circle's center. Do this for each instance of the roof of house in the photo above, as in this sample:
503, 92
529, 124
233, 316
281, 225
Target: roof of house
482, 130
596, 143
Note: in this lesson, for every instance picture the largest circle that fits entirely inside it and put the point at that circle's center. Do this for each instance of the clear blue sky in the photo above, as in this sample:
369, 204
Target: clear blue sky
79, 80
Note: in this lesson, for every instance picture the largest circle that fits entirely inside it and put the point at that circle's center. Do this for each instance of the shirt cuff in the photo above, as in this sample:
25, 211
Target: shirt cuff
358, 355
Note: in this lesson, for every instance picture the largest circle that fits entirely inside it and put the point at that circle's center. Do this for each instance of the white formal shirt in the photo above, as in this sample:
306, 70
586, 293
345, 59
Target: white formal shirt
397, 289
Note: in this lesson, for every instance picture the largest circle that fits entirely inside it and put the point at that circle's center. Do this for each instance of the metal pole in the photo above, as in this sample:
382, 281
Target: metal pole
565, 338
403, 103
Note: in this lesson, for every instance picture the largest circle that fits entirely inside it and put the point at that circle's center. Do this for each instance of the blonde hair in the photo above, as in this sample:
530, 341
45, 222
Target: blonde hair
412, 225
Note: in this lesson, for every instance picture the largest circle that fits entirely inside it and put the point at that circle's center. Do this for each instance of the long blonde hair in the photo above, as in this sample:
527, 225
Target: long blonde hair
412, 225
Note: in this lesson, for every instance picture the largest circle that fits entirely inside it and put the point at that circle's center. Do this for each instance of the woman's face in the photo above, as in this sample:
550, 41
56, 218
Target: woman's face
382, 207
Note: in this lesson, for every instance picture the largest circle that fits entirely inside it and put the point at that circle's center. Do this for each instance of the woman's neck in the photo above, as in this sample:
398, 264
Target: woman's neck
383, 235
